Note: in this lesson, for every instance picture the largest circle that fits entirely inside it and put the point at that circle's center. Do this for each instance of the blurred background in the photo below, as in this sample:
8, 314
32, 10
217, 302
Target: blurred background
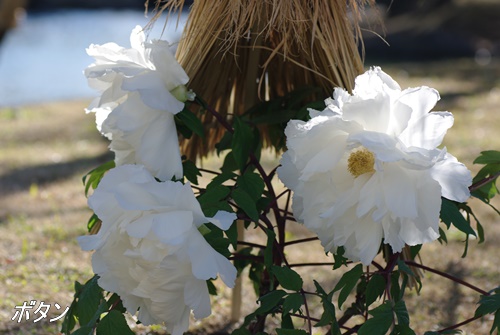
47, 142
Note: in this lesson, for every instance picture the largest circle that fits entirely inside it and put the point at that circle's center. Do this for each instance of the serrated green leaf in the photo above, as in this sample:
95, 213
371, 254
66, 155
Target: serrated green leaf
348, 282
246, 203
450, 214
281, 331
191, 122
252, 184
270, 301
292, 303
375, 289
114, 323
488, 304
288, 278
224, 143
191, 172
89, 300
242, 142
380, 323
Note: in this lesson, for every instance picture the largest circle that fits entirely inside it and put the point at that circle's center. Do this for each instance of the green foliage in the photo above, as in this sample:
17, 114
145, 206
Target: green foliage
484, 183
292, 303
88, 306
328, 318
490, 304
92, 178
348, 282
242, 142
375, 288
288, 278
214, 199
191, 172
187, 123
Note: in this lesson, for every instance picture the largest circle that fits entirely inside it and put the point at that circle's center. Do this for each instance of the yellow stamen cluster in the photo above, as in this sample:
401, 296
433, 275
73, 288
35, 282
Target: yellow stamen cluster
360, 161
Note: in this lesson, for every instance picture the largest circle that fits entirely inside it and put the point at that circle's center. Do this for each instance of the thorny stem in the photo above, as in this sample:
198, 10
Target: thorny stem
446, 275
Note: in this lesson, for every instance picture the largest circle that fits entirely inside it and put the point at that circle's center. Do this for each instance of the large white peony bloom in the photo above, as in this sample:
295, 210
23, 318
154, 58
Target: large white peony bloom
149, 250
142, 89
367, 168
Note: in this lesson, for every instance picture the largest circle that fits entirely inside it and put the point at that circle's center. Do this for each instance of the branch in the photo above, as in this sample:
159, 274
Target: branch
448, 276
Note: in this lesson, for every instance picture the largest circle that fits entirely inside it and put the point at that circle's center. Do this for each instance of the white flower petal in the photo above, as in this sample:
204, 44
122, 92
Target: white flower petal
223, 219
197, 298
453, 177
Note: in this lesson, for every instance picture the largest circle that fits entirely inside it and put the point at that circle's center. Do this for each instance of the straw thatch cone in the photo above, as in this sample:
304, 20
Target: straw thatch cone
236, 52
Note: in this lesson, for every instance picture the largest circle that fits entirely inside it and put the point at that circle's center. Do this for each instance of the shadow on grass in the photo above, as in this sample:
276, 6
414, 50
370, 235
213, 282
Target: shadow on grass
19, 180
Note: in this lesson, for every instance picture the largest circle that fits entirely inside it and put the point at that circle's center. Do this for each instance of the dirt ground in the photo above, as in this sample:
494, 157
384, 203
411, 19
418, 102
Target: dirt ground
46, 149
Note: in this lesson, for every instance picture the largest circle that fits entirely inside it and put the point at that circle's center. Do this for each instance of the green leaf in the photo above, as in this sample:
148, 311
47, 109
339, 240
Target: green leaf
92, 221
221, 178
191, 121
450, 214
270, 301
246, 203
224, 143
268, 251
83, 331
229, 163
252, 184
381, 321
213, 199
242, 142
288, 278
241, 331
292, 303
286, 321
402, 313
339, 258
348, 282
69, 319
496, 322
488, 304
280, 331
93, 177
191, 172
375, 289
402, 330
114, 323
89, 300
212, 290
488, 157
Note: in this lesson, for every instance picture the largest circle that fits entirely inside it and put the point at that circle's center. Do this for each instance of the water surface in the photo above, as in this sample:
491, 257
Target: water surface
43, 58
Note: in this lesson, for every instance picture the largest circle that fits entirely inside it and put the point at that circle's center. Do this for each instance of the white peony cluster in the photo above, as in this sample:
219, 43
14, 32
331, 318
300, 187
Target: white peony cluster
142, 88
367, 168
149, 249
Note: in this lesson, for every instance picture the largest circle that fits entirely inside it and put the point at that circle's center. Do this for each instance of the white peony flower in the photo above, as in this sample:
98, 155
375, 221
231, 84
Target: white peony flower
368, 169
142, 89
149, 250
